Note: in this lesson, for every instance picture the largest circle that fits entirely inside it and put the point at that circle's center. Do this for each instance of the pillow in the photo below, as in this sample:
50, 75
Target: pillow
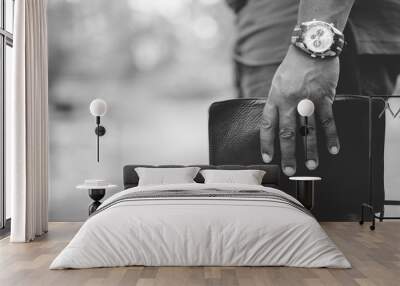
165, 176
248, 177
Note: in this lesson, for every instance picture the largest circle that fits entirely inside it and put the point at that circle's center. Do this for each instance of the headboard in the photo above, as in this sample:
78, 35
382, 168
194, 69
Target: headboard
270, 179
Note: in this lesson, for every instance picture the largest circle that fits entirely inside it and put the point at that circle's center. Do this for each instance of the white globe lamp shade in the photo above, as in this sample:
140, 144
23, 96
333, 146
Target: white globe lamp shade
98, 107
305, 108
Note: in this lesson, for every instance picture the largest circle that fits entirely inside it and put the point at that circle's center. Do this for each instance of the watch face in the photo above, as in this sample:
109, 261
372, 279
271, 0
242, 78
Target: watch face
318, 38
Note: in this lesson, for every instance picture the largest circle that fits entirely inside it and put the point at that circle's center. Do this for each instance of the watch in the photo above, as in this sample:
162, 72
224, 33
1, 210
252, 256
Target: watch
318, 39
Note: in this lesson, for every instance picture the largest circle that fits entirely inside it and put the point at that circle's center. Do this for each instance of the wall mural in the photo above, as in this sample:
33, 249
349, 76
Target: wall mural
159, 65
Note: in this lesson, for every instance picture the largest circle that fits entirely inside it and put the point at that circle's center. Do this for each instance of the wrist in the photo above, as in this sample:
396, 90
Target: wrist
304, 57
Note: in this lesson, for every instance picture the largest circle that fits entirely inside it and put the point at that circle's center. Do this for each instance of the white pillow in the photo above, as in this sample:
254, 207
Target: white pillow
165, 176
248, 177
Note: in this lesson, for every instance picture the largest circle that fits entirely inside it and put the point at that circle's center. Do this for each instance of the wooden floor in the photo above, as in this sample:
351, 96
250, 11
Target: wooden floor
375, 257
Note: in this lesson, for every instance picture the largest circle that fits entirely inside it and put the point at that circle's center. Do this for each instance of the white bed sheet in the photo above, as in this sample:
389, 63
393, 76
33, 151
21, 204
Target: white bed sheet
218, 232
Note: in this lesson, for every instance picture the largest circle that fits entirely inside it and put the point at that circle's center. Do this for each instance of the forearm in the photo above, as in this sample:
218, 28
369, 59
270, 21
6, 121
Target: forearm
331, 11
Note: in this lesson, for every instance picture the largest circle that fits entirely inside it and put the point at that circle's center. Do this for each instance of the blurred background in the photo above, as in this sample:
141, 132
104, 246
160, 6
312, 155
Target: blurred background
159, 65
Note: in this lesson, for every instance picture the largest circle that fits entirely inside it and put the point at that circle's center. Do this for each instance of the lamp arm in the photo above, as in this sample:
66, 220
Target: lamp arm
98, 138
305, 137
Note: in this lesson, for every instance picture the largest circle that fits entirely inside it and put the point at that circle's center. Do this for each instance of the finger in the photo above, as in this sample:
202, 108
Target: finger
311, 144
328, 124
267, 131
287, 136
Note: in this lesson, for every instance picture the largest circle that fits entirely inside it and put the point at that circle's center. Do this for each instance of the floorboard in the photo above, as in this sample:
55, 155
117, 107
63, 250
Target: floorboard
375, 257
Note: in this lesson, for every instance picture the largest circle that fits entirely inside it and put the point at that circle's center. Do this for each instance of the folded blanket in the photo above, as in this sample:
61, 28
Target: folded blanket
207, 194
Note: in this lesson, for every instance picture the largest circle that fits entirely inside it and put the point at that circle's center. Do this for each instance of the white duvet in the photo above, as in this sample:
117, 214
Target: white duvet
199, 231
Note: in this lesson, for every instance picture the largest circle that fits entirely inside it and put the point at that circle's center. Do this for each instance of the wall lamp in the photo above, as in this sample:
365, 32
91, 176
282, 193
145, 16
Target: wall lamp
306, 109
98, 108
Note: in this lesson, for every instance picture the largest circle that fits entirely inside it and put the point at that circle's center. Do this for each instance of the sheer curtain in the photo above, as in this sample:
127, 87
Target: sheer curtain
27, 123
392, 155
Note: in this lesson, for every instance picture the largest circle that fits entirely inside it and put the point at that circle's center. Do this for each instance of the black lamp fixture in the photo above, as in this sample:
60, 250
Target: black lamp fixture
306, 109
98, 108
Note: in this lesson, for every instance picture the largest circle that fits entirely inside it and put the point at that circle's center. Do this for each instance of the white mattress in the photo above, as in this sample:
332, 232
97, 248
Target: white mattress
199, 231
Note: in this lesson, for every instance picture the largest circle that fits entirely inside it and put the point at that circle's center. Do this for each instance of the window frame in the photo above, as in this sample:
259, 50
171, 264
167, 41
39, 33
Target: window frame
6, 39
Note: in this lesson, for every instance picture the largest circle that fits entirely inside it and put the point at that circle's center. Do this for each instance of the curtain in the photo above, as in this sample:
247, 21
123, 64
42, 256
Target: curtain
392, 155
27, 123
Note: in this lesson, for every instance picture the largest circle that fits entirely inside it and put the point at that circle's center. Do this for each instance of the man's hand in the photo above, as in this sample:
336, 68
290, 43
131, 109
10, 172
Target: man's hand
299, 76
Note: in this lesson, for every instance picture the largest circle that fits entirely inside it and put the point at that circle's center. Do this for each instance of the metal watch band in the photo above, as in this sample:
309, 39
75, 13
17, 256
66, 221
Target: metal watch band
335, 49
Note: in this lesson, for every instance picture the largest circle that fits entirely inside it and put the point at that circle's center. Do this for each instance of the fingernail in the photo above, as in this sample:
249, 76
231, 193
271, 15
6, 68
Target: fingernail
334, 150
311, 164
289, 171
266, 158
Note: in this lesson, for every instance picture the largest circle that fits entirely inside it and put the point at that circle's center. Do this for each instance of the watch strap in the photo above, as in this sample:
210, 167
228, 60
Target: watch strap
335, 49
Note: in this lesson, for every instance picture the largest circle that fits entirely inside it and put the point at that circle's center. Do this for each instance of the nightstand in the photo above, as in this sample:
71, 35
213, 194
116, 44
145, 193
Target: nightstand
97, 190
305, 188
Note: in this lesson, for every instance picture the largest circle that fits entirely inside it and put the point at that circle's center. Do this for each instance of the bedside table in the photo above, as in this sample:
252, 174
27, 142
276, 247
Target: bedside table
305, 188
97, 190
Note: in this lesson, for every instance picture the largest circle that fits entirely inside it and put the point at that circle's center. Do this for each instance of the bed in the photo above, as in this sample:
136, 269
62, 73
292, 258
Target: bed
201, 224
